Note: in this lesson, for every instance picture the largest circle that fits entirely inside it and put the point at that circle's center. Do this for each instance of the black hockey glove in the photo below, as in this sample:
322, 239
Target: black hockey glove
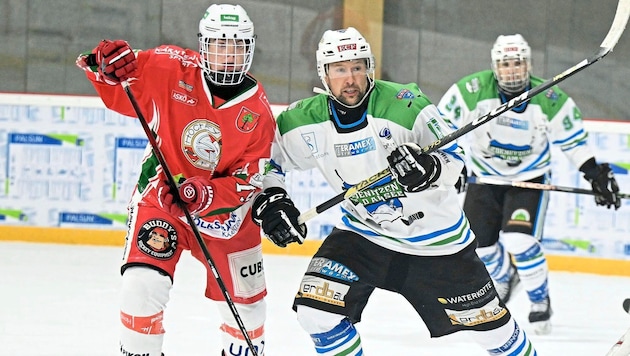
604, 184
462, 183
414, 170
274, 211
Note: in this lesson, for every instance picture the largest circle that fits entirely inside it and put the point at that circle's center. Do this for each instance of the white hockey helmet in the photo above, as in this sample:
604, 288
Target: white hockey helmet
229, 23
511, 47
343, 45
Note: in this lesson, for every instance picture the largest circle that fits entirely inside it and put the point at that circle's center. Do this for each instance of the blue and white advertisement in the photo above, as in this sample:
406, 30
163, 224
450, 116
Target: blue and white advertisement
69, 162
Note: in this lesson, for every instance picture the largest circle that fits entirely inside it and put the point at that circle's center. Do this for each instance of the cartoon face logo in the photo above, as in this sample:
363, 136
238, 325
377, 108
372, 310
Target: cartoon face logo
201, 144
158, 239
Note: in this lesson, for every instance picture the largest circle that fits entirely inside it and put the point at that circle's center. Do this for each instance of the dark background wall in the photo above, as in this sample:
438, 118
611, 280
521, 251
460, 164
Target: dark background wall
431, 42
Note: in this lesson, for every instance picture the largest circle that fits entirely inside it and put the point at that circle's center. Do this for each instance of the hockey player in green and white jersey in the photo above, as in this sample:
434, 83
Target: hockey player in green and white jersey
515, 146
405, 233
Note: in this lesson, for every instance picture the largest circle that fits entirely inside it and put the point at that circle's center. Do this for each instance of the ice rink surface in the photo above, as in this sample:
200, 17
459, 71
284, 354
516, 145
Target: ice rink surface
62, 300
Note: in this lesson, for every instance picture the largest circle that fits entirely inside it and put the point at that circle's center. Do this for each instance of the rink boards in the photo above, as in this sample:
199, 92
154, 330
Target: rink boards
69, 166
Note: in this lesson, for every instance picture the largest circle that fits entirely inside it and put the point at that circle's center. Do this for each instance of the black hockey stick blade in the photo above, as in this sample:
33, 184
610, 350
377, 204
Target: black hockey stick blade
537, 186
189, 218
611, 39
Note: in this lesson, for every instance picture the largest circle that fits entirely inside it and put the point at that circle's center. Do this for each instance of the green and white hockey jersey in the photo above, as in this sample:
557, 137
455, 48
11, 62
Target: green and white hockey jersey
516, 145
430, 222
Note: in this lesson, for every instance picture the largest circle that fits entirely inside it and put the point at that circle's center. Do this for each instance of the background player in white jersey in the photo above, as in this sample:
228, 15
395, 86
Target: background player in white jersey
214, 127
405, 233
515, 146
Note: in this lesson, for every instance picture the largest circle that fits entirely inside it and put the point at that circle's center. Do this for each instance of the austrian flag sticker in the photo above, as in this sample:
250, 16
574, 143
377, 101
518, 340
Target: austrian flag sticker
246, 120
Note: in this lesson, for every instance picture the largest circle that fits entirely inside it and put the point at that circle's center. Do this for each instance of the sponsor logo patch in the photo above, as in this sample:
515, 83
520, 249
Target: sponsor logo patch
182, 84
332, 269
382, 193
323, 290
520, 217
347, 47
157, 239
183, 98
309, 139
490, 312
469, 299
355, 148
247, 271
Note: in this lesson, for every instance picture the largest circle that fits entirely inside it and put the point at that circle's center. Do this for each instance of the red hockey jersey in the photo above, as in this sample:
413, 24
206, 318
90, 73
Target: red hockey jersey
228, 142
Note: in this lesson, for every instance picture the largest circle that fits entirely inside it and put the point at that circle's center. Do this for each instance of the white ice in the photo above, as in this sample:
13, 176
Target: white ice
63, 300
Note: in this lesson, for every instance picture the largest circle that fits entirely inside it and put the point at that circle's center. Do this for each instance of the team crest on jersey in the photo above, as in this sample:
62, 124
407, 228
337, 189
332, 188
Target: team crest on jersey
405, 94
246, 120
201, 144
157, 239
551, 94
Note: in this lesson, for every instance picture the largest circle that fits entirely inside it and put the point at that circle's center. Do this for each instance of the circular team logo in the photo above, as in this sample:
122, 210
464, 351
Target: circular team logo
201, 144
158, 239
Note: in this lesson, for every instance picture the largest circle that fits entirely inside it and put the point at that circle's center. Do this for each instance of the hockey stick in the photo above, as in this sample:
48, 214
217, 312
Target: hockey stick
173, 187
614, 33
537, 186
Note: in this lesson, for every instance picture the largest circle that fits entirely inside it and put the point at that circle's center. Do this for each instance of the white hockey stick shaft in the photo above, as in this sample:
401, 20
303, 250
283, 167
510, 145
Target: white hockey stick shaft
536, 186
614, 33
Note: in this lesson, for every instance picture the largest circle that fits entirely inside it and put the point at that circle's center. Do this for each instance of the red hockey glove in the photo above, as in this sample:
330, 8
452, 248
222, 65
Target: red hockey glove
196, 193
116, 60
167, 200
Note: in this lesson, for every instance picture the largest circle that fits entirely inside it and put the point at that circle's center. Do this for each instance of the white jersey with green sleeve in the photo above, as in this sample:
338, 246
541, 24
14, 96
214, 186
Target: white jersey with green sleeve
430, 222
516, 145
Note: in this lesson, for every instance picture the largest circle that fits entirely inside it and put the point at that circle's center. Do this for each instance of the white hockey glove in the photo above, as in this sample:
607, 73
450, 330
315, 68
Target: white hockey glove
274, 211
414, 170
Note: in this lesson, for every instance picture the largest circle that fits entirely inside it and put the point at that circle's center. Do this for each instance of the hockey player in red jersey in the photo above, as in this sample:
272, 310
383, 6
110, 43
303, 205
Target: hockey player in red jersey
214, 128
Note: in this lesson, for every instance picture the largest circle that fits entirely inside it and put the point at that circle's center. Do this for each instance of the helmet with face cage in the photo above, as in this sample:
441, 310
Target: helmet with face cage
507, 49
226, 44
